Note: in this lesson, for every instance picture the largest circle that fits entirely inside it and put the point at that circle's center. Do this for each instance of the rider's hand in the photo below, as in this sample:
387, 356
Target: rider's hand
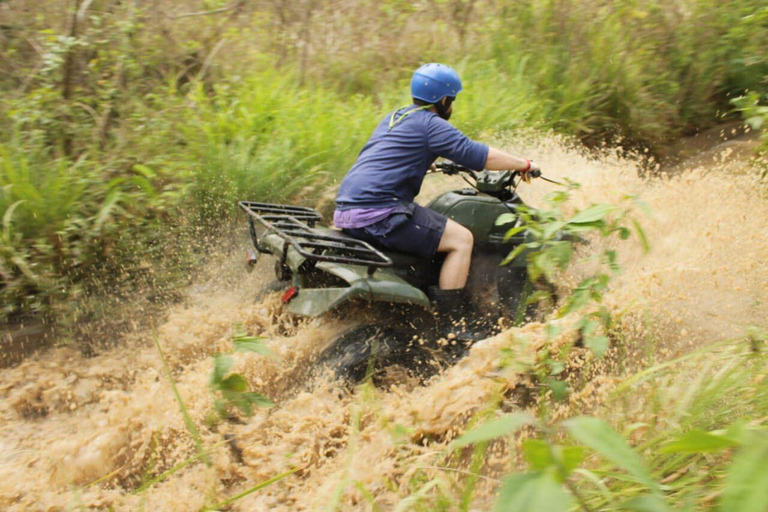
432, 168
525, 174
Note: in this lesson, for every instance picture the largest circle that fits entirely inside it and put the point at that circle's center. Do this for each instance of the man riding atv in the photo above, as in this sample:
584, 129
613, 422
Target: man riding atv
375, 199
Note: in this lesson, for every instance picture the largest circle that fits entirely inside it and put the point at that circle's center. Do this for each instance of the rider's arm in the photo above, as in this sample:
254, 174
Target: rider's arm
446, 141
499, 160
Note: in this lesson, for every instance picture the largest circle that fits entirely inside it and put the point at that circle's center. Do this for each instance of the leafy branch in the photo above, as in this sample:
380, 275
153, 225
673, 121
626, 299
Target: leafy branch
550, 247
550, 483
233, 388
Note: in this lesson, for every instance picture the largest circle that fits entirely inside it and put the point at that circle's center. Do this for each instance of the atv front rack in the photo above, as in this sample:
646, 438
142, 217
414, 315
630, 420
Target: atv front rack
295, 225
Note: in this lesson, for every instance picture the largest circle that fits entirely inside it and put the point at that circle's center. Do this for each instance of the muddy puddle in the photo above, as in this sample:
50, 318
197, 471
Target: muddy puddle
106, 432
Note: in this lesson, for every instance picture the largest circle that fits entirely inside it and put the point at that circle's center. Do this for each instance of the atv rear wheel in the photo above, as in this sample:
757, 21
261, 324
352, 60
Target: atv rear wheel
371, 350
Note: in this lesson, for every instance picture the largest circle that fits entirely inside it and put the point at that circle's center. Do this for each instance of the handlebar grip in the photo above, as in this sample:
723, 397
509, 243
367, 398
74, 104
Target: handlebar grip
449, 167
536, 173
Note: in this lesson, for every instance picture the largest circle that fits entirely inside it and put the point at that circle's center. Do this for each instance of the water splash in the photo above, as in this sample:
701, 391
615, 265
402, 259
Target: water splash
88, 432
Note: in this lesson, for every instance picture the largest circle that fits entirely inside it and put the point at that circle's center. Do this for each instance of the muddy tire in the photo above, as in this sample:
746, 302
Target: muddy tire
371, 350
514, 288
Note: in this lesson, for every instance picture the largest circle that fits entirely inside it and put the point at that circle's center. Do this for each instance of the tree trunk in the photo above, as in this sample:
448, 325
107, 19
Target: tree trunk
70, 62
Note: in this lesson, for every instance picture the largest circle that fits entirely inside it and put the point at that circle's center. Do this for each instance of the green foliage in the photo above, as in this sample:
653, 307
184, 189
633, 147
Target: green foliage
554, 467
233, 388
266, 106
646, 70
747, 481
532, 491
599, 436
555, 479
188, 422
698, 441
550, 247
492, 429
548, 486
126, 141
755, 114
64, 219
267, 138
251, 490
711, 438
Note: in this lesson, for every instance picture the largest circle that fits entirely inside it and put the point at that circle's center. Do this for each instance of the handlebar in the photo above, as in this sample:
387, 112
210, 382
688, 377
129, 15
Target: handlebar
492, 183
452, 168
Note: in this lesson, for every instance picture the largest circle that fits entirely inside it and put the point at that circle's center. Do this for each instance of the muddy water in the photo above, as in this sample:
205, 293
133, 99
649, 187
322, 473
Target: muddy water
88, 433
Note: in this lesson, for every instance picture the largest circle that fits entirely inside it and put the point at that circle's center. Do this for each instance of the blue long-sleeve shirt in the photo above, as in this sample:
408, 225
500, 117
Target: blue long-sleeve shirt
391, 166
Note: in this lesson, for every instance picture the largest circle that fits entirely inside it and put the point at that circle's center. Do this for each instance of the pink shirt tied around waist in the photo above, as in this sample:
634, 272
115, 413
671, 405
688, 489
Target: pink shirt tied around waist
360, 217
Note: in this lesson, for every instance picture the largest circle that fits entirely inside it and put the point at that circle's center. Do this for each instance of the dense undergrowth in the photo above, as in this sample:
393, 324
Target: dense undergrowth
130, 130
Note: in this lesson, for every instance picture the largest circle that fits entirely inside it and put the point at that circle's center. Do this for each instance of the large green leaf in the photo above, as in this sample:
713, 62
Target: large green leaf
572, 456
513, 231
235, 383
514, 254
698, 441
641, 234
586, 226
561, 252
559, 388
746, 486
494, 428
253, 346
597, 344
532, 492
599, 436
222, 363
551, 228
7, 216
537, 454
594, 213
546, 264
505, 218
647, 503
246, 400
244, 342
258, 399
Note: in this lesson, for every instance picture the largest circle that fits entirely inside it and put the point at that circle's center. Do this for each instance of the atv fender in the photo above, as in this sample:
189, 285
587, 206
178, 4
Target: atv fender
383, 286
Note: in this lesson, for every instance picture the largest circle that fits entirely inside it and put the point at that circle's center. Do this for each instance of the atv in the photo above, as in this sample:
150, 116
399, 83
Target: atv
321, 269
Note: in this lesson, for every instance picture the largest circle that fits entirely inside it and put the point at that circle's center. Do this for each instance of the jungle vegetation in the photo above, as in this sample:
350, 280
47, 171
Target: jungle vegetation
128, 129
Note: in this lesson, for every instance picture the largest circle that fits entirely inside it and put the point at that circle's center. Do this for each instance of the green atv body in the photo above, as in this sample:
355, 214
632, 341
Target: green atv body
323, 269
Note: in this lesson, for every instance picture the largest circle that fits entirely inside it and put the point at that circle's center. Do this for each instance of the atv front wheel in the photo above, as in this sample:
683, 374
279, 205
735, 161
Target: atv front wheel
514, 288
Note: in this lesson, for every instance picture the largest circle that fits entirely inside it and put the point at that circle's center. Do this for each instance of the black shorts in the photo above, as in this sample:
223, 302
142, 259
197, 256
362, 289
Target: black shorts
410, 228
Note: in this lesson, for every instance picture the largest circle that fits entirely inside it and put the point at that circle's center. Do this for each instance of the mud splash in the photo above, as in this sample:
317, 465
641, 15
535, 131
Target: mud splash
90, 433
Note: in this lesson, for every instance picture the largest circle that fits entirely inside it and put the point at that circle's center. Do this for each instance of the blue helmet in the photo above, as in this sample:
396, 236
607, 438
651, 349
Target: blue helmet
432, 82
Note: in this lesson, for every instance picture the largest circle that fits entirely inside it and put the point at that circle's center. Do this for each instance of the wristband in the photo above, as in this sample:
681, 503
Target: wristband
527, 166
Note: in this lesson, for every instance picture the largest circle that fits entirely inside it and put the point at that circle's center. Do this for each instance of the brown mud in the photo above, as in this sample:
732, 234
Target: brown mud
94, 432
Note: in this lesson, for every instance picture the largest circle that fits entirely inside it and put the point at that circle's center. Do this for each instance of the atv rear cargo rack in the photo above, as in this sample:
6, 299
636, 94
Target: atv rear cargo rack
295, 225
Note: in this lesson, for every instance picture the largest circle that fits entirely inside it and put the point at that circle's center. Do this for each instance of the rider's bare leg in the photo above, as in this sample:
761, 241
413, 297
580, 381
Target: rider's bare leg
457, 241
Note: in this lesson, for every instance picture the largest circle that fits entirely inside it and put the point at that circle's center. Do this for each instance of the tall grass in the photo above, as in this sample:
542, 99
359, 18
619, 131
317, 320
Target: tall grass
42, 206
267, 138
635, 69
154, 142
